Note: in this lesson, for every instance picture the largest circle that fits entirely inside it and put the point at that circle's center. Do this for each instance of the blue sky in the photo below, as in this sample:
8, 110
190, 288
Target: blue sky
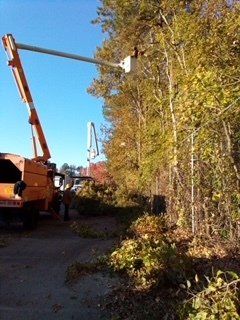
58, 86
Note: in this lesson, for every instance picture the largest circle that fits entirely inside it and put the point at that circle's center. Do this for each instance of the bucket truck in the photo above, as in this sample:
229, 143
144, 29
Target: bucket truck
27, 185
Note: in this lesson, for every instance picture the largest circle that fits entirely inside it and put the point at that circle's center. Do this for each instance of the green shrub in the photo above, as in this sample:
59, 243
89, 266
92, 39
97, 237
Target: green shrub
85, 231
127, 198
149, 258
149, 226
94, 199
143, 260
220, 300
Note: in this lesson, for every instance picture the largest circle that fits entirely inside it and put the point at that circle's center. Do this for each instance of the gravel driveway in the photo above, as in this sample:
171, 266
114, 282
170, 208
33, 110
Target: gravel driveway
33, 270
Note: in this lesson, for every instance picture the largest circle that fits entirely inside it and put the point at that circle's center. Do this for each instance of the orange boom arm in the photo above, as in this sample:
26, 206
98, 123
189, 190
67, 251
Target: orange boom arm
18, 72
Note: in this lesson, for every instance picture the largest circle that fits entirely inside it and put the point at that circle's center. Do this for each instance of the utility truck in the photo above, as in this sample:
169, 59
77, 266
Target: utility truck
27, 185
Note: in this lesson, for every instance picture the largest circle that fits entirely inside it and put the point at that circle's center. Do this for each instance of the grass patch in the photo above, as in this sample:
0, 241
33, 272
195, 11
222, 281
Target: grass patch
78, 269
3, 243
85, 231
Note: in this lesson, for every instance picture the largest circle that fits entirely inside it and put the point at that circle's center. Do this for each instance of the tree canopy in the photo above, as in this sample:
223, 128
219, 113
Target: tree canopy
174, 124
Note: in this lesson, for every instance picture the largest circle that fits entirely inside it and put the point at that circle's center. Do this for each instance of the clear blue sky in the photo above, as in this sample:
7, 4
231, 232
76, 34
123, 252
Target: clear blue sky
58, 85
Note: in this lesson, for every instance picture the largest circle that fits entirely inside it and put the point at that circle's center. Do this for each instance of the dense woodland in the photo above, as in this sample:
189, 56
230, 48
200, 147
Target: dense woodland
174, 123
173, 134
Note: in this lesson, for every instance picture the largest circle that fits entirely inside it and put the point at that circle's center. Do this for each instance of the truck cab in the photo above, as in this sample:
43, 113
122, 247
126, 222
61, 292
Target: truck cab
78, 182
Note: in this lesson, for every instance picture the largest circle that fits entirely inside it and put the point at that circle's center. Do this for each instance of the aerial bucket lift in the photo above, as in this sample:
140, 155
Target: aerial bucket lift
27, 185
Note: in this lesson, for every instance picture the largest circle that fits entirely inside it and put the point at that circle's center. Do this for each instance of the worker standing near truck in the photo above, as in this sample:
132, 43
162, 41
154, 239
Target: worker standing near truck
67, 199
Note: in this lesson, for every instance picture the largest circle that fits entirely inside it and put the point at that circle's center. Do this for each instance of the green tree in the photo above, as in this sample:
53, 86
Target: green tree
181, 104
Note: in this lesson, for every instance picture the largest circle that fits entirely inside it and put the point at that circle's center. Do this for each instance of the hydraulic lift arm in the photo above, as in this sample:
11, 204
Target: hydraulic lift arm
92, 153
18, 72
11, 47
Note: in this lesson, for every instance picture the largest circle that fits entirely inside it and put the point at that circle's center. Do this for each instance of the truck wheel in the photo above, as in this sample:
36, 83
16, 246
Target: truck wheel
35, 218
30, 218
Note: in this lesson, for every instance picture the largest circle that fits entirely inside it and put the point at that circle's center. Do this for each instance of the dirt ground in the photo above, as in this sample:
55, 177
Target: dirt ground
33, 271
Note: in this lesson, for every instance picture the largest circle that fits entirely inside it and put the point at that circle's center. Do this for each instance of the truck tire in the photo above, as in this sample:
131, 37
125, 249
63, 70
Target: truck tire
35, 212
30, 217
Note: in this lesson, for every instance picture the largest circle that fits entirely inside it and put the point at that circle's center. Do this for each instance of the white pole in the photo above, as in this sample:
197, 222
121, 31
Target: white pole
66, 55
89, 146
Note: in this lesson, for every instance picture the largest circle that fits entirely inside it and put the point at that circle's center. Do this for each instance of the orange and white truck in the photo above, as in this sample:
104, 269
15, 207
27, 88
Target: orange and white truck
26, 185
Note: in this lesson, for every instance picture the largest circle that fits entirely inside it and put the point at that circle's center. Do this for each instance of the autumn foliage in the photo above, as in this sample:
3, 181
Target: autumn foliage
100, 173
174, 123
